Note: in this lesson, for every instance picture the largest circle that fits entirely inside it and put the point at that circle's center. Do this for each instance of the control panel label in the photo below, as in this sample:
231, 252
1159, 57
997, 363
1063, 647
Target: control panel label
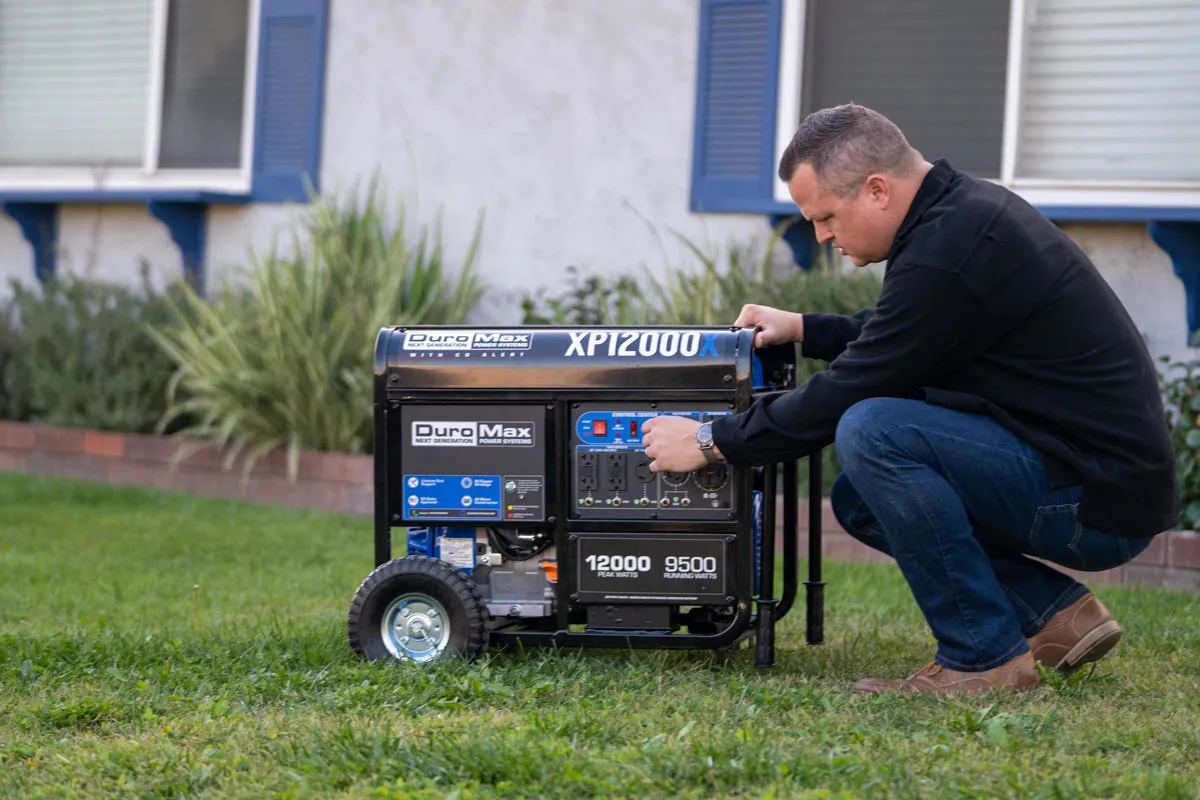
452, 496
675, 568
625, 427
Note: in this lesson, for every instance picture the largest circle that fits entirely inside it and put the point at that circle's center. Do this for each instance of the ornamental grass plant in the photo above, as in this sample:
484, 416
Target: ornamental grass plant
284, 358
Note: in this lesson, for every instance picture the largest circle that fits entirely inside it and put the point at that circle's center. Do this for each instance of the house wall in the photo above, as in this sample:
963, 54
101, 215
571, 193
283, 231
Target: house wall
568, 126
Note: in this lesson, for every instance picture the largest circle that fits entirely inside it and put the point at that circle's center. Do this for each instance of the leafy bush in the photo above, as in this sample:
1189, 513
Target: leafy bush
12, 397
79, 352
1180, 384
286, 361
590, 300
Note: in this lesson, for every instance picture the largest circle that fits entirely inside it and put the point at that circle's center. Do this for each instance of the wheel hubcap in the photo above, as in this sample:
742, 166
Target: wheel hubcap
415, 628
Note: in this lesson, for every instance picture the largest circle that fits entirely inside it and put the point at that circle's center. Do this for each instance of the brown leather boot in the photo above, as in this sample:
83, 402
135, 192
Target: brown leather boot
1018, 673
1081, 633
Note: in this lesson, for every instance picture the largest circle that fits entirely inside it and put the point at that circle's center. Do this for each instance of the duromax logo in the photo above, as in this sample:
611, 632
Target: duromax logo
467, 340
473, 434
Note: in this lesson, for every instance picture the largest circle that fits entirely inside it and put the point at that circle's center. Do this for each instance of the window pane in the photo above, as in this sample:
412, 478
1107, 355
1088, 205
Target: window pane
74, 78
1111, 91
205, 83
934, 67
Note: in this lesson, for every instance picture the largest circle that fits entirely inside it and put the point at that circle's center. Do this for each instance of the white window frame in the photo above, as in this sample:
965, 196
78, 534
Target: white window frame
148, 177
1038, 191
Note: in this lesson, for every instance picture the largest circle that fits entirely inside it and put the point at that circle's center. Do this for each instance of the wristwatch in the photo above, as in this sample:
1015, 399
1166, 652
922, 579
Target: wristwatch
704, 440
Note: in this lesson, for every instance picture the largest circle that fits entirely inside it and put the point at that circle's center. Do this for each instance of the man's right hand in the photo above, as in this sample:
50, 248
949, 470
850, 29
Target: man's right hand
775, 325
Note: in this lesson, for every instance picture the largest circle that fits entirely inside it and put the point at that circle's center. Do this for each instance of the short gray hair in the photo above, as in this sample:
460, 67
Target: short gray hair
844, 144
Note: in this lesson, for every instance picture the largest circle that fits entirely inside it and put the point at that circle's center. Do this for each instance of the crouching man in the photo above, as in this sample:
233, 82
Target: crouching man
997, 403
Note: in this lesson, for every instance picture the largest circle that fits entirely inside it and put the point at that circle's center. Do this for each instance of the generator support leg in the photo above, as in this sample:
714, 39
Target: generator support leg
814, 596
764, 641
764, 637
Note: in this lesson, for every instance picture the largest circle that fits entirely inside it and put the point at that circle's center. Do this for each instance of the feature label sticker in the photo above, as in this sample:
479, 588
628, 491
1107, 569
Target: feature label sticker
452, 496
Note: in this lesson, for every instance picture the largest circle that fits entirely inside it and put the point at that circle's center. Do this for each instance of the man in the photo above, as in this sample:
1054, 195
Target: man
997, 403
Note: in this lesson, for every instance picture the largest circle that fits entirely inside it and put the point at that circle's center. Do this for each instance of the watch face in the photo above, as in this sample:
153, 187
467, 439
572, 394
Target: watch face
704, 435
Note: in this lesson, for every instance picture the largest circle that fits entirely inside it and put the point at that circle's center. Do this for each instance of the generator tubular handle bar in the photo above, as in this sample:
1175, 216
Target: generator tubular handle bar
769, 609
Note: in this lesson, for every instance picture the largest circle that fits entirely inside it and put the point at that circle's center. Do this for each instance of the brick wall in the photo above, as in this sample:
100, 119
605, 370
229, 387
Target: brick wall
343, 483
327, 481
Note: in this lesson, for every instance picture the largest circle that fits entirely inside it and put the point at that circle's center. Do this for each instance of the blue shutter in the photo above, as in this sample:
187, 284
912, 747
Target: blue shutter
290, 91
733, 157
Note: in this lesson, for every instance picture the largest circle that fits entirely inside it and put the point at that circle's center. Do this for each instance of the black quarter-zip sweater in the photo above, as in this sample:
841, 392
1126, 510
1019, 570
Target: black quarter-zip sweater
987, 307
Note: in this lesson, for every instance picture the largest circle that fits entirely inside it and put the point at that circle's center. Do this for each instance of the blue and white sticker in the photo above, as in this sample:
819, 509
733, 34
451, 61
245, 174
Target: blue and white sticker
452, 497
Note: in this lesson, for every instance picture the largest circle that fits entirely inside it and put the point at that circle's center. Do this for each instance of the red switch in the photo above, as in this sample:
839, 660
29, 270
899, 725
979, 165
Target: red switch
633, 429
600, 427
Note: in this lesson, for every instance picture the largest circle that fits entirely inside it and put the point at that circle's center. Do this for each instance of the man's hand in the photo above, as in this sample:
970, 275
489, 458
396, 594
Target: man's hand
670, 443
775, 325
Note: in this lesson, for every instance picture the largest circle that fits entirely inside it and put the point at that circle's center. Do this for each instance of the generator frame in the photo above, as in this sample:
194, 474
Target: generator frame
755, 615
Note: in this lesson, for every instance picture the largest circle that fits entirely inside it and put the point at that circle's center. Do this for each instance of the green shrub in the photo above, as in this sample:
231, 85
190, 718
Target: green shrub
13, 398
589, 300
286, 360
79, 352
1180, 384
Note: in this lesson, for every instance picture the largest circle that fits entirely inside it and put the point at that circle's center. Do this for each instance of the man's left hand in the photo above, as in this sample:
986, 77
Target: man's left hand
670, 443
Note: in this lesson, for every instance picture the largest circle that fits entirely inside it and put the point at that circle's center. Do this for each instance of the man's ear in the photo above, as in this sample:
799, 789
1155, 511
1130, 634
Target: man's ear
879, 190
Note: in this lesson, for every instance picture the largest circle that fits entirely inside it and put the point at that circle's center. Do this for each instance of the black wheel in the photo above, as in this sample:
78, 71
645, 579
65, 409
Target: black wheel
417, 609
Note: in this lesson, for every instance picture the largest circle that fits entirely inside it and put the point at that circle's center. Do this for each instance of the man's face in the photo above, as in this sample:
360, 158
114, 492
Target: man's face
859, 226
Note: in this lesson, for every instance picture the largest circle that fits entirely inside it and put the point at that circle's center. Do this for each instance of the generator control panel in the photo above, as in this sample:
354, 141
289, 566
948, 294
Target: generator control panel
611, 473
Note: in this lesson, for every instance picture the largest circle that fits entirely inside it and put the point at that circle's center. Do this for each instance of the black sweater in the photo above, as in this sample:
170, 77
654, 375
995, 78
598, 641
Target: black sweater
987, 307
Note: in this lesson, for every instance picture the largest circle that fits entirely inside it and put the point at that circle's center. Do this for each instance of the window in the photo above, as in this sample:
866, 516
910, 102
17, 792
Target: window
122, 88
177, 104
934, 67
204, 84
198, 98
1085, 107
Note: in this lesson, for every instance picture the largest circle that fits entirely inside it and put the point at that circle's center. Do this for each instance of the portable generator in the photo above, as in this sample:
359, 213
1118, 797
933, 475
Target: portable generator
512, 458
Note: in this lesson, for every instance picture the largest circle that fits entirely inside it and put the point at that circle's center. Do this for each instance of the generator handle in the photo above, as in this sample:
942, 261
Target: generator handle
764, 651
791, 538
815, 587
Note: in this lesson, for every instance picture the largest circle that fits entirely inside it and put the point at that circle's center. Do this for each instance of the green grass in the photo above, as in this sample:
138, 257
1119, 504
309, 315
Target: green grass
155, 645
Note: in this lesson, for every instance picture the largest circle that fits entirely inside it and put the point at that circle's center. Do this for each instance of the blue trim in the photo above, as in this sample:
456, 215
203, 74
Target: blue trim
748, 192
39, 225
1056, 213
187, 223
1120, 213
120, 196
290, 94
800, 236
1181, 241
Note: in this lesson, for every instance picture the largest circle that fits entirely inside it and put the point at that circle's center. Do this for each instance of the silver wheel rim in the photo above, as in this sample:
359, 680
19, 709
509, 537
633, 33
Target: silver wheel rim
415, 628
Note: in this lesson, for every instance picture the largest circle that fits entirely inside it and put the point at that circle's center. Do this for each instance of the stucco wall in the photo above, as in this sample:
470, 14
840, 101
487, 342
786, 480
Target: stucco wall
568, 125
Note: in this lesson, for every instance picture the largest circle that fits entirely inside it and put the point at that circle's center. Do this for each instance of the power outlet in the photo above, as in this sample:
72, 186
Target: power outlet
641, 469
615, 471
587, 469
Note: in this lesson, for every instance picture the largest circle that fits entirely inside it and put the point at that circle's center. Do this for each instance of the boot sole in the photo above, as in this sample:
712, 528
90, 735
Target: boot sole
1092, 647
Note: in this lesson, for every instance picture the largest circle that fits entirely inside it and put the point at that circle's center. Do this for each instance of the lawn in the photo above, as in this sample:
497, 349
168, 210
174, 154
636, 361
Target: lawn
158, 645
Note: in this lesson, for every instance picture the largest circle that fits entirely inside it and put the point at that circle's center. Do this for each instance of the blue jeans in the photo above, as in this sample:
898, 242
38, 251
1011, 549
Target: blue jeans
959, 502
